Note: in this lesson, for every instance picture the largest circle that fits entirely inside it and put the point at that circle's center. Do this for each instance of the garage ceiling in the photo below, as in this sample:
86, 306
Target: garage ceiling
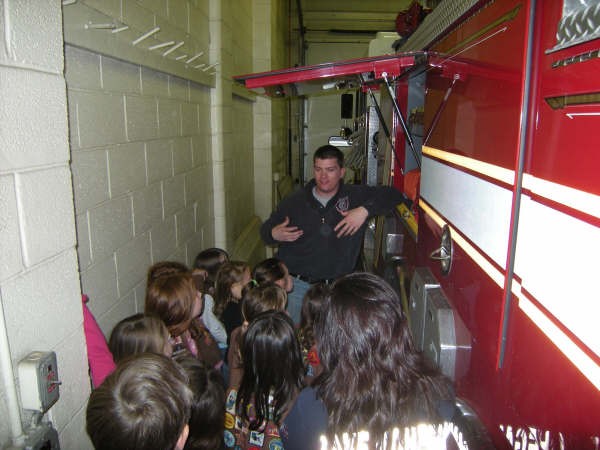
347, 20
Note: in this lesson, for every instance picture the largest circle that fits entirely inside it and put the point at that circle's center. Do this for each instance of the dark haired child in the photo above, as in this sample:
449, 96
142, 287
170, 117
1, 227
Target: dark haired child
269, 410
312, 304
208, 405
256, 300
373, 378
232, 277
207, 317
210, 261
144, 404
139, 333
273, 270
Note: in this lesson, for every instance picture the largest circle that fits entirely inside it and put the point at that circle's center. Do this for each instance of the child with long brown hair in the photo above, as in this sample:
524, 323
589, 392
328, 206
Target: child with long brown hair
210, 261
270, 409
373, 378
206, 267
312, 304
140, 333
173, 297
256, 300
273, 270
232, 277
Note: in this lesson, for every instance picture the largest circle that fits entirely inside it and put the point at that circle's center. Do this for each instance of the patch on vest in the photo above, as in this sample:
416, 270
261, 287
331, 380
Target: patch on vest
256, 438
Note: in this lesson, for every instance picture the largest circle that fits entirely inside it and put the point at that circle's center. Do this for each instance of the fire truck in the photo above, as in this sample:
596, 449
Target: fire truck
488, 120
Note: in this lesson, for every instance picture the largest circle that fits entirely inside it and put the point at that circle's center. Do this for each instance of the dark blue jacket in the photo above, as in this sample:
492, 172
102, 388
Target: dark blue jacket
319, 253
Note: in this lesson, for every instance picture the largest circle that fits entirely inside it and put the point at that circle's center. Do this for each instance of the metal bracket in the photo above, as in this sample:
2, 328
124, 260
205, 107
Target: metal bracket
402, 120
382, 121
438, 113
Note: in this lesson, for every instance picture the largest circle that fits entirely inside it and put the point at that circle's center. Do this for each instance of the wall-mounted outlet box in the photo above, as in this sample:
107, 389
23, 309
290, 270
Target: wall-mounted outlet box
42, 437
38, 380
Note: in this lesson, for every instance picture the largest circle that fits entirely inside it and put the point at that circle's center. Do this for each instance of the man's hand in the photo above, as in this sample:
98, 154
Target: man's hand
352, 221
283, 233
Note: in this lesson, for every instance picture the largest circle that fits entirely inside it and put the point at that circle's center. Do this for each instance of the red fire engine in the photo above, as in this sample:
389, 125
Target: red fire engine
502, 220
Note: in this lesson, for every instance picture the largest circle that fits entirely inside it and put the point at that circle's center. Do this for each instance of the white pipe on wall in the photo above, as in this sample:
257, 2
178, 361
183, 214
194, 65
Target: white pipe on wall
217, 104
8, 382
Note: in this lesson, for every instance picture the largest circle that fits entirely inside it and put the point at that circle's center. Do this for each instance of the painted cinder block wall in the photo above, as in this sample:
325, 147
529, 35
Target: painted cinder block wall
140, 143
39, 280
172, 171
141, 186
271, 51
324, 112
231, 27
142, 166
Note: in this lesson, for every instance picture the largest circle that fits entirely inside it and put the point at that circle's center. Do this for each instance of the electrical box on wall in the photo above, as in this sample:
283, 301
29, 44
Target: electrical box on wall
43, 437
38, 381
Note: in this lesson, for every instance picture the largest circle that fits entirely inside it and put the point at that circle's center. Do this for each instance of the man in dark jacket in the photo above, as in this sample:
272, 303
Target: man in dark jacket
320, 228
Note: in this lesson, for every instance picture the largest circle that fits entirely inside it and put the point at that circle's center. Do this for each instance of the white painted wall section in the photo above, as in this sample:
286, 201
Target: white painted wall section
141, 168
39, 280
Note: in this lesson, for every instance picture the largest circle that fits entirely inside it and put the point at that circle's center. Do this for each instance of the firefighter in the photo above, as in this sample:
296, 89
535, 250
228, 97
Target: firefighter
320, 228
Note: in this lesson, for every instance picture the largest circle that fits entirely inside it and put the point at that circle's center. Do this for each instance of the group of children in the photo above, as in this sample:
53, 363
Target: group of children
216, 362
220, 338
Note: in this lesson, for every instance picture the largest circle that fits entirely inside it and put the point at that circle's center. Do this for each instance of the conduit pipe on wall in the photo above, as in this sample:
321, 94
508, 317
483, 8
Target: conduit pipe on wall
217, 102
8, 381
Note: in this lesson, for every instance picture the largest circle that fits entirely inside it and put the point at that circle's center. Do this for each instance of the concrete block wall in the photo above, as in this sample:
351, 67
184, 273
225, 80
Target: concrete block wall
263, 169
239, 167
280, 57
142, 176
232, 130
323, 118
242, 18
146, 180
39, 282
219, 101
182, 22
221, 115
270, 42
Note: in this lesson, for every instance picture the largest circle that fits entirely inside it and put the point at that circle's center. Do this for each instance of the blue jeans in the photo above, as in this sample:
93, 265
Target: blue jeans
294, 305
